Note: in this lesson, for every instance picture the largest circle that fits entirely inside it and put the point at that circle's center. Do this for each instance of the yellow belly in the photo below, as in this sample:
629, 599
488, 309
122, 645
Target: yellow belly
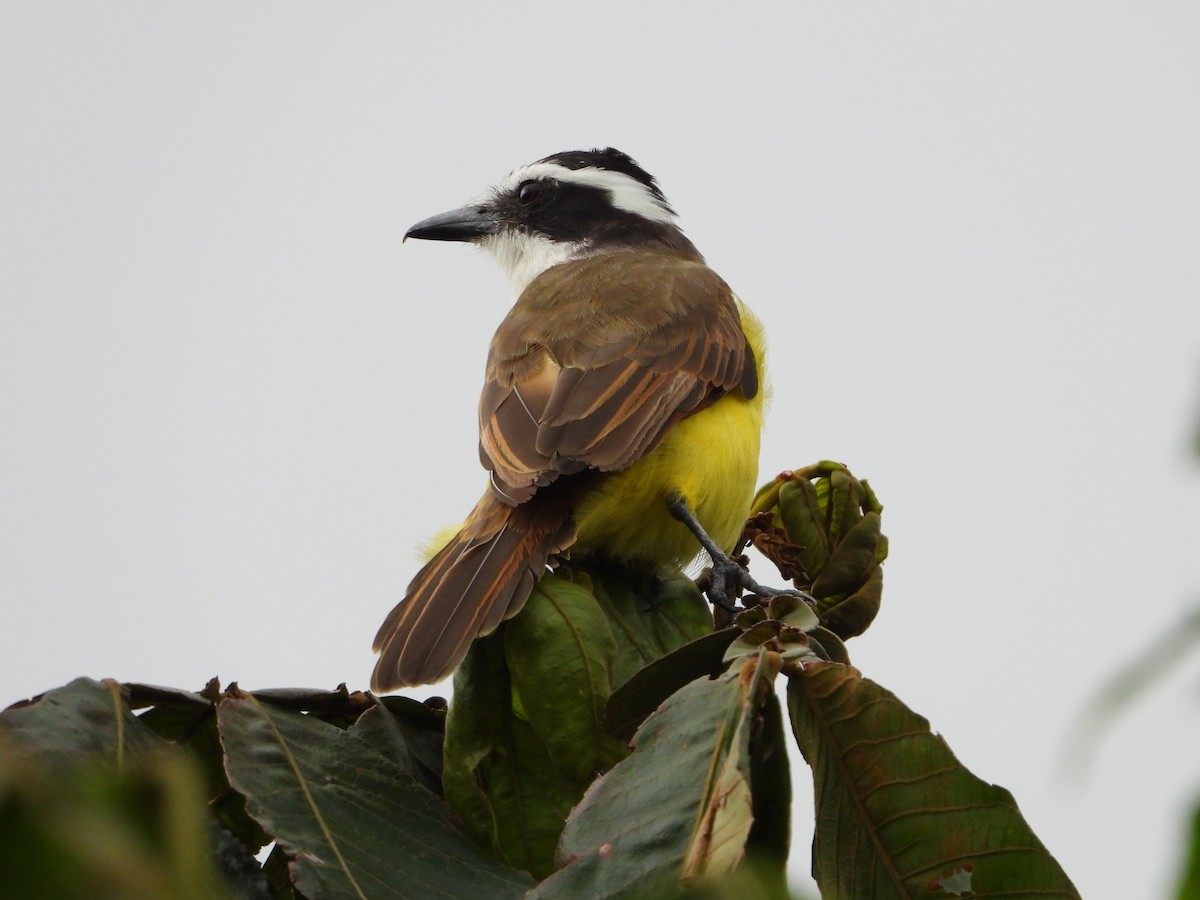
711, 458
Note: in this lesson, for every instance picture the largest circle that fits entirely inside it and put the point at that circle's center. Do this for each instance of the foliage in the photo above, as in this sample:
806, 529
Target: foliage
607, 742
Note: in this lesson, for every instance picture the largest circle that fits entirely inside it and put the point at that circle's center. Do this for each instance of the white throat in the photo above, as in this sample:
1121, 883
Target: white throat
524, 257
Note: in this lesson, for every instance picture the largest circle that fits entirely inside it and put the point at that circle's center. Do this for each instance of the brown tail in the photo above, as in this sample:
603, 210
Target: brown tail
482, 577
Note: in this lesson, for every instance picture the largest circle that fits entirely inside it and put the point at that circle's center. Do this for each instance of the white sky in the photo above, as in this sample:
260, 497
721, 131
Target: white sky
231, 402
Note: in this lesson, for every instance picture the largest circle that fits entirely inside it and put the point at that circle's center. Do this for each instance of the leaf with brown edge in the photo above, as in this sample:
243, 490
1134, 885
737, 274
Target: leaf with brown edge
897, 814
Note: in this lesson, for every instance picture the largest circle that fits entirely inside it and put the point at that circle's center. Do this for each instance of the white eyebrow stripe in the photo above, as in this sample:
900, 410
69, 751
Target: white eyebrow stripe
627, 193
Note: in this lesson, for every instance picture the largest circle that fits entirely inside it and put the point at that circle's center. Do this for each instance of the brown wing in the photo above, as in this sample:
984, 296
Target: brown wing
598, 358
483, 576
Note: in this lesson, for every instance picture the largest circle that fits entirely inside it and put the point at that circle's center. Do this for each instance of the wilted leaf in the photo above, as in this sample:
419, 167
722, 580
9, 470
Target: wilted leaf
354, 823
143, 695
340, 707
897, 814
752, 639
830, 523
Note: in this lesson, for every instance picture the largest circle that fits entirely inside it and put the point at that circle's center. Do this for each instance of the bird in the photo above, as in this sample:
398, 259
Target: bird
621, 411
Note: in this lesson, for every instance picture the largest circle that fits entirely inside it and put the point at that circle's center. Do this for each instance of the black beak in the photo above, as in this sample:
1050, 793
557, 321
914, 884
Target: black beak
467, 224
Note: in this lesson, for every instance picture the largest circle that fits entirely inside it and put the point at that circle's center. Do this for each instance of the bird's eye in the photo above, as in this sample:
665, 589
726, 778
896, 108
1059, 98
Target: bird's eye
529, 192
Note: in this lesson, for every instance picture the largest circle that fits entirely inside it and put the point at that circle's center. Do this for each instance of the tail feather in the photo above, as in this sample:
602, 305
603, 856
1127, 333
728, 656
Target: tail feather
482, 577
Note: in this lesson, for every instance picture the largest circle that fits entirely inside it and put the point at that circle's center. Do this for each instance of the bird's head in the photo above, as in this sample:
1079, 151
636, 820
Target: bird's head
561, 208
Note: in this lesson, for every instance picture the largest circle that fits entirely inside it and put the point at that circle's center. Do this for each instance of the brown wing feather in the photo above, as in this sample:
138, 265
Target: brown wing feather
482, 577
598, 358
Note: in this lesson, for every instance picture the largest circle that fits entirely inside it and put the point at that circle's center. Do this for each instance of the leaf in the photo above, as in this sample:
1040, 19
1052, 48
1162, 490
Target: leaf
409, 733
852, 616
498, 775
829, 646
844, 509
353, 822
143, 695
560, 653
770, 775
1189, 883
851, 560
649, 616
804, 521
85, 722
85, 831
793, 611
897, 814
188, 725
340, 707
680, 805
633, 701
832, 526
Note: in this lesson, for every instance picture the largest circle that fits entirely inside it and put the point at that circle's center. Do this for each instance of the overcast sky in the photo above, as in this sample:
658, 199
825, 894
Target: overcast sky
231, 403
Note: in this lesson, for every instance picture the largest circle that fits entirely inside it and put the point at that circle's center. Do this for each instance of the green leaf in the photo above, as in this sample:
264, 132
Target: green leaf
770, 775
409, 733
829, 646
803, 519
845, 504
793, 611
498, 774
354, 823
187, 724
680, 807
752, 639
560, 652
1189, 883
85, 722
82, 830
633, 701
851, 560
897, 814
649, 616
852, 616
832, 526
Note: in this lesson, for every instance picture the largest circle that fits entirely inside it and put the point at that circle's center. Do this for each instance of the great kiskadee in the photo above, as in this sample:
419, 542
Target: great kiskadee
621, 407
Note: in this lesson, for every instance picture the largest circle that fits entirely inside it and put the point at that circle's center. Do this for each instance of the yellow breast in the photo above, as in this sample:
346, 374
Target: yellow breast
711, 458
